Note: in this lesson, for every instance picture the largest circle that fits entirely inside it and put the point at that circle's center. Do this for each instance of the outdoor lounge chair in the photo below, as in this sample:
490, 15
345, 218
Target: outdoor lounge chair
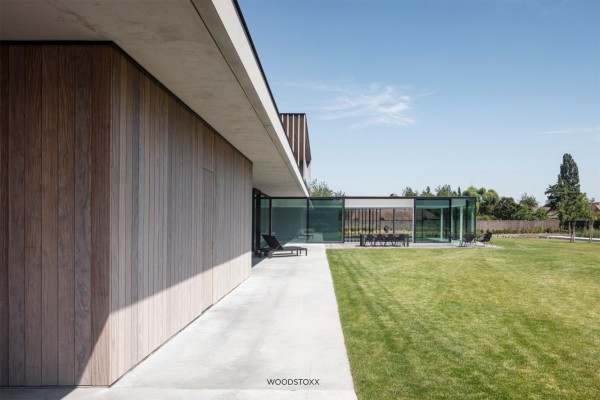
485, 238
275, 246
369, 239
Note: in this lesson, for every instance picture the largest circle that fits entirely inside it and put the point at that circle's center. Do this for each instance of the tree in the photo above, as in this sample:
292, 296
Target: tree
574, 207
566, 198
506, 208
486, 200
526, 207
444, 191
408, 192
427, 192
568, 181
321, 189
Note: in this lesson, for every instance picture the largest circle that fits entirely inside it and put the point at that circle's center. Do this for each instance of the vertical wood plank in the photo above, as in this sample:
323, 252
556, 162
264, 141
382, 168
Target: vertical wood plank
164, 207
123, 166
83, 317
115, 215
50, 214
208, 232
129, 217
142, 231
66, 207
4, 115
16, 217
151, 245
100, 183
33, 217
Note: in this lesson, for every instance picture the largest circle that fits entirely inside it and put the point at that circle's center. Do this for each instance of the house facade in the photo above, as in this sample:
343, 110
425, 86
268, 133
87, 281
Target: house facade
132, 135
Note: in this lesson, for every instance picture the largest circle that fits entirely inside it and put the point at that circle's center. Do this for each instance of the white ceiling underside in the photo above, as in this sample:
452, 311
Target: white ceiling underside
198, 49
389, 202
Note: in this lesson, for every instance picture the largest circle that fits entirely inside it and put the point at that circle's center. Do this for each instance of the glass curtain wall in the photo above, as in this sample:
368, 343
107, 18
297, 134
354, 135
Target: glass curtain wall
303, 220
361, 221
289, 220
463, 217
432, 220
325, 222
438, 220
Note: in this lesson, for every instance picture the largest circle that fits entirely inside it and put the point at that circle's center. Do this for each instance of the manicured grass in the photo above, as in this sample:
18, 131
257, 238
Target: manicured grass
519, 322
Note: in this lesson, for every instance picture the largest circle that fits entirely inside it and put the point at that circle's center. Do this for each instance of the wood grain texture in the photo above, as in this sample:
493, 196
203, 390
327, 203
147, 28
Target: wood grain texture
83, 256
168, 166
49, 113
126, 216
115, 250
100, 213
16, 217
34, 186
4, 339
66, 207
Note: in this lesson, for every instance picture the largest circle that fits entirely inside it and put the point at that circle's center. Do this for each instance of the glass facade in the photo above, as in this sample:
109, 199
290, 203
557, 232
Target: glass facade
361, 221
289, 219
432, 220
437, 220
327, 220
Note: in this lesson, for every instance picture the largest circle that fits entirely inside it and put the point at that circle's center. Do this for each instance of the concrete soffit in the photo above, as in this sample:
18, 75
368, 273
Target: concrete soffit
198, 49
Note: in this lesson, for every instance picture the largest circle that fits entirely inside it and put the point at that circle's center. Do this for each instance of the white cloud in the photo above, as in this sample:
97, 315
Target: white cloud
573, 131
363, 105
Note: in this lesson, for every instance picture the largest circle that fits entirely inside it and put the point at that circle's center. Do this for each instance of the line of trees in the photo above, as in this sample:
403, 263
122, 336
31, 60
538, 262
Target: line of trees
489, 205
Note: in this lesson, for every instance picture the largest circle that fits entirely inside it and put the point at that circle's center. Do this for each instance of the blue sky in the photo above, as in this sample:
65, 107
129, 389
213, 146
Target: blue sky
417, 93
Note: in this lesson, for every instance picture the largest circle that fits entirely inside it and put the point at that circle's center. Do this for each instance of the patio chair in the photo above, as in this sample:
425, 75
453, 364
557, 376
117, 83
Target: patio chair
454, 238
275, 247
380, 238
485, 238
391, 238
402, 238
369, 239
467, 239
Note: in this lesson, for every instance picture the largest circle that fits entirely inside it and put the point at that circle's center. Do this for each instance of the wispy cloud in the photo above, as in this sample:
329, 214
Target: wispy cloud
364, 105
572, 131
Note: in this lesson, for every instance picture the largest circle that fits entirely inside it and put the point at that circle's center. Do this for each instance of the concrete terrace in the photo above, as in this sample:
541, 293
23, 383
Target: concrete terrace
281, 323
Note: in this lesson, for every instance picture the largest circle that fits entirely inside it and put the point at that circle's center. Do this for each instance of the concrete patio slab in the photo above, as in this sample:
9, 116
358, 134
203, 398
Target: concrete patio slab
281, 324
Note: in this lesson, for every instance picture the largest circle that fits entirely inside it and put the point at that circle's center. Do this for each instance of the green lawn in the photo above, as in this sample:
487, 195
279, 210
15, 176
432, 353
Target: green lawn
518, 322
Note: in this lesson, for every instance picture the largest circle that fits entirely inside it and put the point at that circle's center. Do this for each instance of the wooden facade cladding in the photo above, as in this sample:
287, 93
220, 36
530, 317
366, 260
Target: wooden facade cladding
296, 129
123, 216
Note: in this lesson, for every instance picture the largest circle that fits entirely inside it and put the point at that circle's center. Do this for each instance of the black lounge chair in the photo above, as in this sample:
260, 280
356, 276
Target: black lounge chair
275, 246
485, 238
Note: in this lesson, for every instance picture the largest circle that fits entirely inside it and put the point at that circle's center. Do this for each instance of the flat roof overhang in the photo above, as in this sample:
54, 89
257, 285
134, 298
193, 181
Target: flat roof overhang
198, 49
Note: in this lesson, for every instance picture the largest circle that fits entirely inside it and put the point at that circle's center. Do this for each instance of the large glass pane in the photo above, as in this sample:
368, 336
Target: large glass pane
459, 218
265, 220
288, 220
432, 220
324, 221
403, 221
470, 216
